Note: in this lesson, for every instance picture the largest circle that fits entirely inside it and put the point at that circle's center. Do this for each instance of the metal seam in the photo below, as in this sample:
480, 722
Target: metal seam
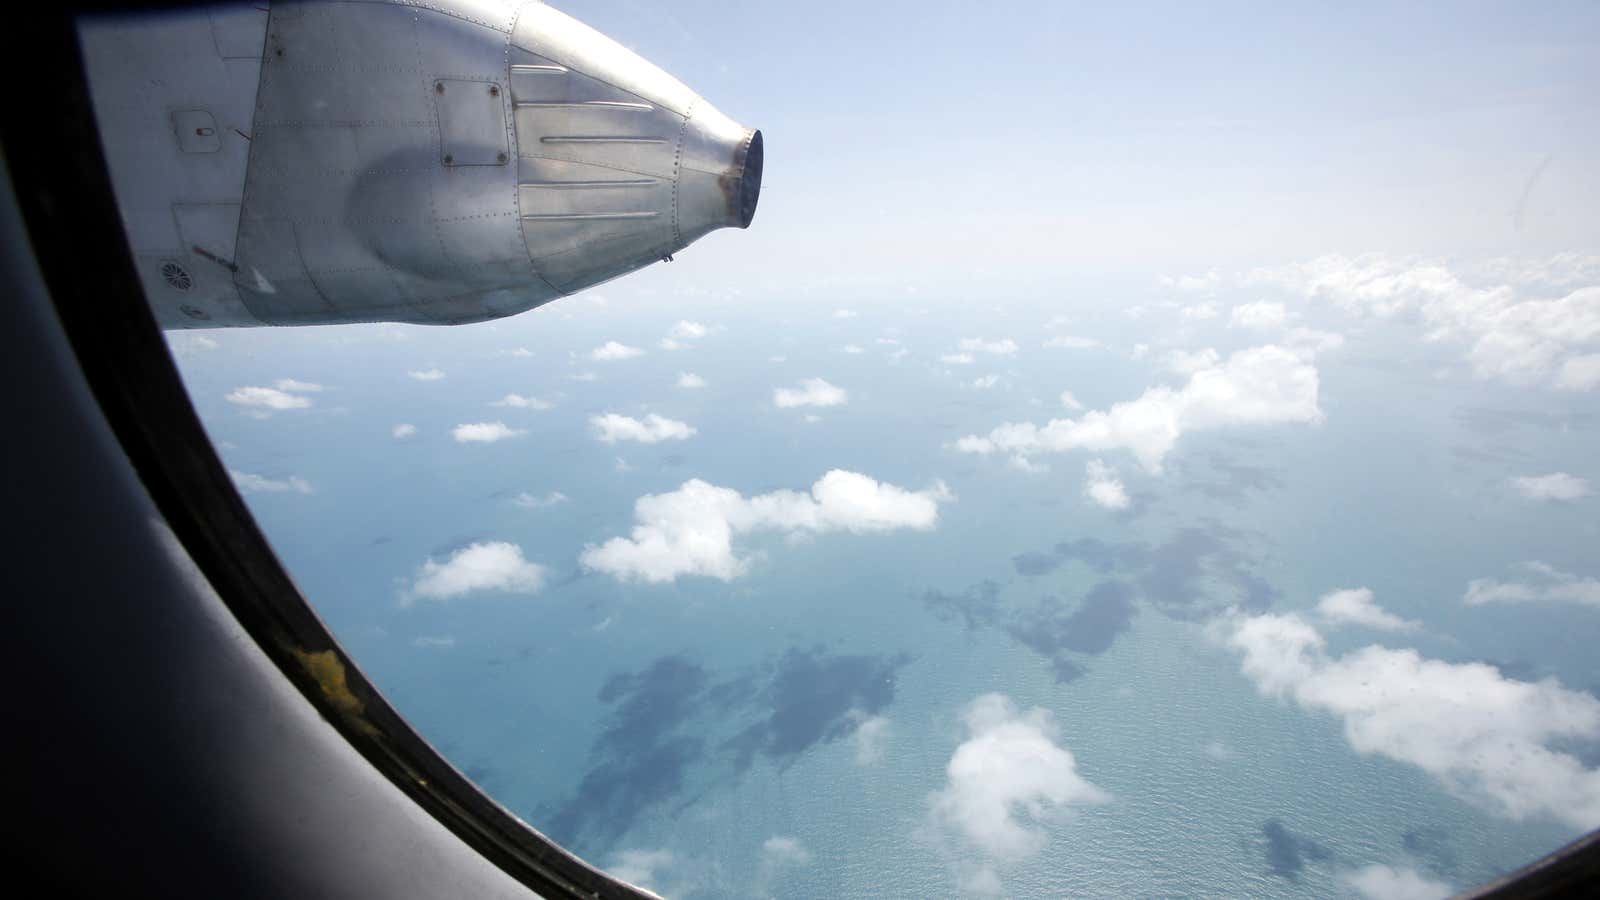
677, 171
513, 141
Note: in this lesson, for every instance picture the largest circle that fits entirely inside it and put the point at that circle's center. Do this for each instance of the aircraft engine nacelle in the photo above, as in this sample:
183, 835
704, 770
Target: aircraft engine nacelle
330, 161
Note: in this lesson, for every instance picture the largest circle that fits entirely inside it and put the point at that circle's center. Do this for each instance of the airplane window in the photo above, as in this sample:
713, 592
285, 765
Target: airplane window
1126, 451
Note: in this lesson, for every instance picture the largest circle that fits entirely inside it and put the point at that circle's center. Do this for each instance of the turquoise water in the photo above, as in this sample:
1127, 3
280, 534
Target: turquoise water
696, 721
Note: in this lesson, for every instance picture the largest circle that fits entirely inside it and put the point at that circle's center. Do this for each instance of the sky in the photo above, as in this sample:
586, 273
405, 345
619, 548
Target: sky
1133, 452
1028, 141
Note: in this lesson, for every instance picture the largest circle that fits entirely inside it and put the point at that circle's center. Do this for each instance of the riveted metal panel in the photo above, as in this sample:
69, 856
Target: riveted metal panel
472, 123
382, 140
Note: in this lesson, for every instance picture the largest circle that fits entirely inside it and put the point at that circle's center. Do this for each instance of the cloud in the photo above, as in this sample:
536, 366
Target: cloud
690, 380
690, 531
1381, 882
1259, 316
1070, 342
1070, 401
1193, 284
297, 387
584, 376
611, 428
785, 850
1259, 386
870, 738
520, 352
1002, 347
259, 484
266, 398
495, 566
484, 432
852, 349
844, 314
1006, 780
533, 501
403, 431
640, 867
1487, 737
683, 332
985, 382
1357, 607
427, 374
1546, 584
433, 642
1555, 486
518, 401
611, 350
1188, 362
958, 359
812, 392
1104, 487
1579, 373
1521, 323
688, 331
1200, 312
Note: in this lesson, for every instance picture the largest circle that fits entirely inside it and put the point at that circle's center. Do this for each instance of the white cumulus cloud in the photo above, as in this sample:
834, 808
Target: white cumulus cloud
259, 484
688, 331
1541, 582
1104, 487
640, 867
297, 387
986, 381
653, 429
871, 738
1521, 323
1071, 342
1188, 362
1381, 882
1070, 401
958, 359
427, 374
484, 432
1489, 738
811, 392
691, 531
1006, 780
534, 501
518, 401
492, 566
1579, 373
1357, 606
785, 850
1555, 486
1259, 386
403, 431
690, 380
1259, 316
266, 398
612, 350
1002, 347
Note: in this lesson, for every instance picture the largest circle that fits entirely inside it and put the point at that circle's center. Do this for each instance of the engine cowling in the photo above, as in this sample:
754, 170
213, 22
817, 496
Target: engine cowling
442, 164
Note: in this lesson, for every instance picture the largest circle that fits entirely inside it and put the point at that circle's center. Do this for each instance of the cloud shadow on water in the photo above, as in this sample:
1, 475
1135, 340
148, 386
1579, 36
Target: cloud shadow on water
1287, 853
661, 739
815, 698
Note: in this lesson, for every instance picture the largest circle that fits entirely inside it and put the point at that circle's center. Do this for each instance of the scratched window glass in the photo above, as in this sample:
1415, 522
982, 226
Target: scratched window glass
1065, 451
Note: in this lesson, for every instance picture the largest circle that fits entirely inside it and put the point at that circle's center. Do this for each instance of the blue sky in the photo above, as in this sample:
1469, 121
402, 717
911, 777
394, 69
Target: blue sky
1030, 141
